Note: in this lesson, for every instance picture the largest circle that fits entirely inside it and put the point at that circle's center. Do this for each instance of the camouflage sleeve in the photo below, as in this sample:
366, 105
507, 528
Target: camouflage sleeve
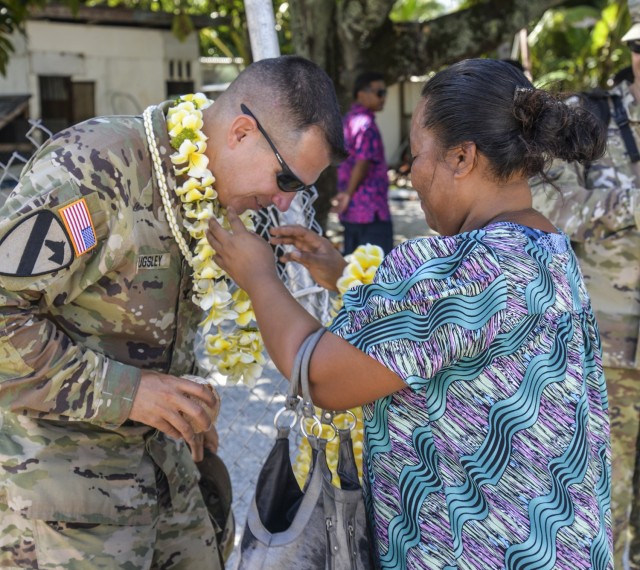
581, 209
43, 372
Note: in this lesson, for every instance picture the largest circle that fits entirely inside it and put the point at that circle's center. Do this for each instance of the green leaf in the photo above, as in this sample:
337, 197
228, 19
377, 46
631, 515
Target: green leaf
182, 26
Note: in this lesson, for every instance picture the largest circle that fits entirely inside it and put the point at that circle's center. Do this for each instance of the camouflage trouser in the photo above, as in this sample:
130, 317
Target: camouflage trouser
623, 387
176, 540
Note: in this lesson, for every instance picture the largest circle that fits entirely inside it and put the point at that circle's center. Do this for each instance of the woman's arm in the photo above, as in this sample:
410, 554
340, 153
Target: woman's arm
341, 376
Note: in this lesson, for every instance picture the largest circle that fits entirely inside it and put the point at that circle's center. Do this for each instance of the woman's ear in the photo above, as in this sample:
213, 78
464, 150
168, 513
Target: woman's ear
239, 129
463, 158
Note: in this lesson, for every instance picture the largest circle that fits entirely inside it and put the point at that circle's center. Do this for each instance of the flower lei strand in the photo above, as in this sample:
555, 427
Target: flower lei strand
236, 352
361, 268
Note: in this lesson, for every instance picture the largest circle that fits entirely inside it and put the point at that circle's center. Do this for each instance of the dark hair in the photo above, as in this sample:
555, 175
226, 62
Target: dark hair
514, 62
364, 80
296, 93
517, 127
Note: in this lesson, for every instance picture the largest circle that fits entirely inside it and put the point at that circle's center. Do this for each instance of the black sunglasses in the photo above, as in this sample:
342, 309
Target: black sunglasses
380, 93
287, 180
634, 46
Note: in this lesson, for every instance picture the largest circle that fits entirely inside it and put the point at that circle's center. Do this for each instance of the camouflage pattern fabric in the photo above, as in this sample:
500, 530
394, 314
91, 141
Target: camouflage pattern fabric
624, 412
75, 330
177, 539
598, 208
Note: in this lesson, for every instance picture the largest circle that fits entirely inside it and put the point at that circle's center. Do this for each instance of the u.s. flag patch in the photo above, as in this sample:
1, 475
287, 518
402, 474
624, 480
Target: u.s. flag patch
79, 224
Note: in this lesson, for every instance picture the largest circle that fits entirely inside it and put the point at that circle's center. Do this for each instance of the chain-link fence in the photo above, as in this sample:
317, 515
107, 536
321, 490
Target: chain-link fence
245, 424
11, 168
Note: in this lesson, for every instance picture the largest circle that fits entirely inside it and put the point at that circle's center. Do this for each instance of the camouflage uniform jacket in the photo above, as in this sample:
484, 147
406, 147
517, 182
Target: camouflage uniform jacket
73, 339
599, 210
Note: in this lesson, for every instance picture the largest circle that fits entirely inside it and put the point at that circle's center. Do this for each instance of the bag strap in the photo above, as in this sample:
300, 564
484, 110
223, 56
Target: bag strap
622, 120
309, 347
299, 380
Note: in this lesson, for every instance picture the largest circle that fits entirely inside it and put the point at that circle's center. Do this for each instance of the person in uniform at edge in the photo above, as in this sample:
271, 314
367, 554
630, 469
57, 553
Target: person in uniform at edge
362, 202
599, 209
474, 353
98, 448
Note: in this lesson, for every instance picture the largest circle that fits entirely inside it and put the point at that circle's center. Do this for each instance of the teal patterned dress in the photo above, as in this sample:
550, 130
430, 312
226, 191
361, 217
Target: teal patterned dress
496, 454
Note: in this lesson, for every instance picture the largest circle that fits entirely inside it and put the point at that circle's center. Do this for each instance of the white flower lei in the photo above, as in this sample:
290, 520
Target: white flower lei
235, 352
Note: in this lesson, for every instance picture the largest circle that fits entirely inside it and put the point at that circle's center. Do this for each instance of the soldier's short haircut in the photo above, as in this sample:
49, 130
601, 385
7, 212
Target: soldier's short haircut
364, 80
517, 127
291, 93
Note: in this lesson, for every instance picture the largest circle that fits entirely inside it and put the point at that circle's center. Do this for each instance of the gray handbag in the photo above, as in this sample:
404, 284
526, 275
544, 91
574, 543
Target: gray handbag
318, 527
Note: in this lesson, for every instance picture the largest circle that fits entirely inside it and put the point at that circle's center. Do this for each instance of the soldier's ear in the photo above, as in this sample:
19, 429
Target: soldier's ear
241, 128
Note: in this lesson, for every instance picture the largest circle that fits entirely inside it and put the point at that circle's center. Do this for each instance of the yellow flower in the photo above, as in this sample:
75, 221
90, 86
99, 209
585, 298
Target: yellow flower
242, 306
217, 296
361, 267
216, 344
193, 156
198, 99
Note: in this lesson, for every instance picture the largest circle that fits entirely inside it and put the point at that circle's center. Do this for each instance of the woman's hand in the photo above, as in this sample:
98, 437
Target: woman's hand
245, 256
316, 253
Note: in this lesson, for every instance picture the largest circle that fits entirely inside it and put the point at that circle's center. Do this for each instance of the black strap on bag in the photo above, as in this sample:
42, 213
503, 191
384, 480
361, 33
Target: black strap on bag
319, 526
622, 120
601, 103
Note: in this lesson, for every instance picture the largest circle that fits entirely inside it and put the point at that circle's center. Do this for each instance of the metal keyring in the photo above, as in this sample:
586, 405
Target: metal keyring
283, 411
354, 419
317, 423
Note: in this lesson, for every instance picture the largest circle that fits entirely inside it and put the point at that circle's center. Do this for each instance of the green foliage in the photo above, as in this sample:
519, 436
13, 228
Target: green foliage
13, 14
416, 10
231, 38
579, 47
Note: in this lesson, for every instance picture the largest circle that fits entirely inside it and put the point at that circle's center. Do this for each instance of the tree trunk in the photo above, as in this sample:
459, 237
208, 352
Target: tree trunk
347, 36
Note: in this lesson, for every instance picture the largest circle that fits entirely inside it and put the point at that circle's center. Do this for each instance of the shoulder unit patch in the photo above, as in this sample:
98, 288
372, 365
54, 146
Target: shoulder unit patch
36, 245
79, 224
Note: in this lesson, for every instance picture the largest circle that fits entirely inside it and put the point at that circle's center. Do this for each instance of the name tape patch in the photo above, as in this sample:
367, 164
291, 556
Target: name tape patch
153, 261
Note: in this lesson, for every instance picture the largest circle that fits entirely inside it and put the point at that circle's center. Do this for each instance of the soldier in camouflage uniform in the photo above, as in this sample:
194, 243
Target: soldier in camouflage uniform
598, 208
97, 451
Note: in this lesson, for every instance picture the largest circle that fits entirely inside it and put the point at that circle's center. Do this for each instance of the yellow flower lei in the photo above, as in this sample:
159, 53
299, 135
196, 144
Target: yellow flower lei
235, 352
361, 268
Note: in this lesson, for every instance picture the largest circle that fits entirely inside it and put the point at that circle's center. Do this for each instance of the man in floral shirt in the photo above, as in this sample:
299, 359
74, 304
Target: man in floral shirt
363, 185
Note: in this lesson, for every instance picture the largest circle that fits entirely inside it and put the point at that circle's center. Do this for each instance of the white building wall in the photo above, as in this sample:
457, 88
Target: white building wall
16, 81
129, 65
390, 119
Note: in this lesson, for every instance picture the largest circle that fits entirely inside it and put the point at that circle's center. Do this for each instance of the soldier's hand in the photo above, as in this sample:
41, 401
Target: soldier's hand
167, 403
208, 439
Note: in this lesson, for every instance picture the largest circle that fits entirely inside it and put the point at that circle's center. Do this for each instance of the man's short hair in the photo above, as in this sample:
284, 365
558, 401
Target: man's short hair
297, 93
364, 80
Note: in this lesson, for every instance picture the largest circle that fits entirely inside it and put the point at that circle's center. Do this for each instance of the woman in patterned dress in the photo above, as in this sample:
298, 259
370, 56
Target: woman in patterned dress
475, 354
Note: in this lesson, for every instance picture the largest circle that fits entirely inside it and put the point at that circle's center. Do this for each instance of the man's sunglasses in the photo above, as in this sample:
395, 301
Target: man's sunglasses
634, 46
287, 180
380, 93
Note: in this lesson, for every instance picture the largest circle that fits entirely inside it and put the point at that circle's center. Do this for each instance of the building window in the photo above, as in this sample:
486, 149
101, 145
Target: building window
83, 97
179, 79
177, 88
64, 103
